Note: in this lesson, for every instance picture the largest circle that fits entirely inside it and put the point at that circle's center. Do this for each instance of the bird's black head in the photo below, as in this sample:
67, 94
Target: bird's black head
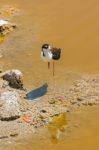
45, 46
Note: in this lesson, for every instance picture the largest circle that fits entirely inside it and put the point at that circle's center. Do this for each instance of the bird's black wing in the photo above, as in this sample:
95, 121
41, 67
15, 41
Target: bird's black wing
56, 53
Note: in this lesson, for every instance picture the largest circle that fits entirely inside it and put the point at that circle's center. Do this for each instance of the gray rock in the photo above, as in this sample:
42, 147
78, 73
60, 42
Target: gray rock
6, 27
10, 109
14, 77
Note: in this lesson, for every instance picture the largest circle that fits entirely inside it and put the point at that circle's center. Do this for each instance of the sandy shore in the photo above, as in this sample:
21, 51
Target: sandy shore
39, 112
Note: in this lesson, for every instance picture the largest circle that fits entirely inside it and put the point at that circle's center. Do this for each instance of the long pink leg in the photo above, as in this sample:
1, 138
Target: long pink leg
53, 69
48, 65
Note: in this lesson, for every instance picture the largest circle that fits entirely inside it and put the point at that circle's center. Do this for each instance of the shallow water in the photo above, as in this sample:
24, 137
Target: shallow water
83, 133
70, 25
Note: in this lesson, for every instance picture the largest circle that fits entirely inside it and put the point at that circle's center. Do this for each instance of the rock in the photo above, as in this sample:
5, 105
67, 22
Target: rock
4, 84
3, 22
14, 77
52, 101
13, 134
10, 109
43, 111
6, 27
79, 99
4, 137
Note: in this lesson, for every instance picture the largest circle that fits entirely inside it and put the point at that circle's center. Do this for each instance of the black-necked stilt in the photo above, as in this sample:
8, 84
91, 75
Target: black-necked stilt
49, 54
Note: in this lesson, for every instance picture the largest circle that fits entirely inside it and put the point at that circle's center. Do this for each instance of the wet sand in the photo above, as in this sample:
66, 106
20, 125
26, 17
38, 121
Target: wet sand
82, 133
73, 26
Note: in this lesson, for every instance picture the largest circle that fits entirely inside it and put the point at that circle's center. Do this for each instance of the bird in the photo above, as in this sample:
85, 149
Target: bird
49, 54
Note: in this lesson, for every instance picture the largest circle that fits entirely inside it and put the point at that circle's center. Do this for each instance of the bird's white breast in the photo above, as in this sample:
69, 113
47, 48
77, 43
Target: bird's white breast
47, 55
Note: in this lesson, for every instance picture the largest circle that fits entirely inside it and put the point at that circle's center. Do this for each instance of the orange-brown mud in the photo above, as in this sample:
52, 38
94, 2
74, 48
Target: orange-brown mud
73, 26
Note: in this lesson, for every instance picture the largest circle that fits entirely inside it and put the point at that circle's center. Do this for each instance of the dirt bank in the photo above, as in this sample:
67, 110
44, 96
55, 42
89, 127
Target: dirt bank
40, 111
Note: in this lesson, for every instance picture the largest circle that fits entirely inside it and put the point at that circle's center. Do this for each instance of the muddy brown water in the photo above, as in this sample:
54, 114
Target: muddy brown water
73, 26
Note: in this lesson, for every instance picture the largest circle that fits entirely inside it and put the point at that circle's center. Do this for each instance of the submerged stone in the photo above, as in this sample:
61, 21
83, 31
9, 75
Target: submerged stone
6, 27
